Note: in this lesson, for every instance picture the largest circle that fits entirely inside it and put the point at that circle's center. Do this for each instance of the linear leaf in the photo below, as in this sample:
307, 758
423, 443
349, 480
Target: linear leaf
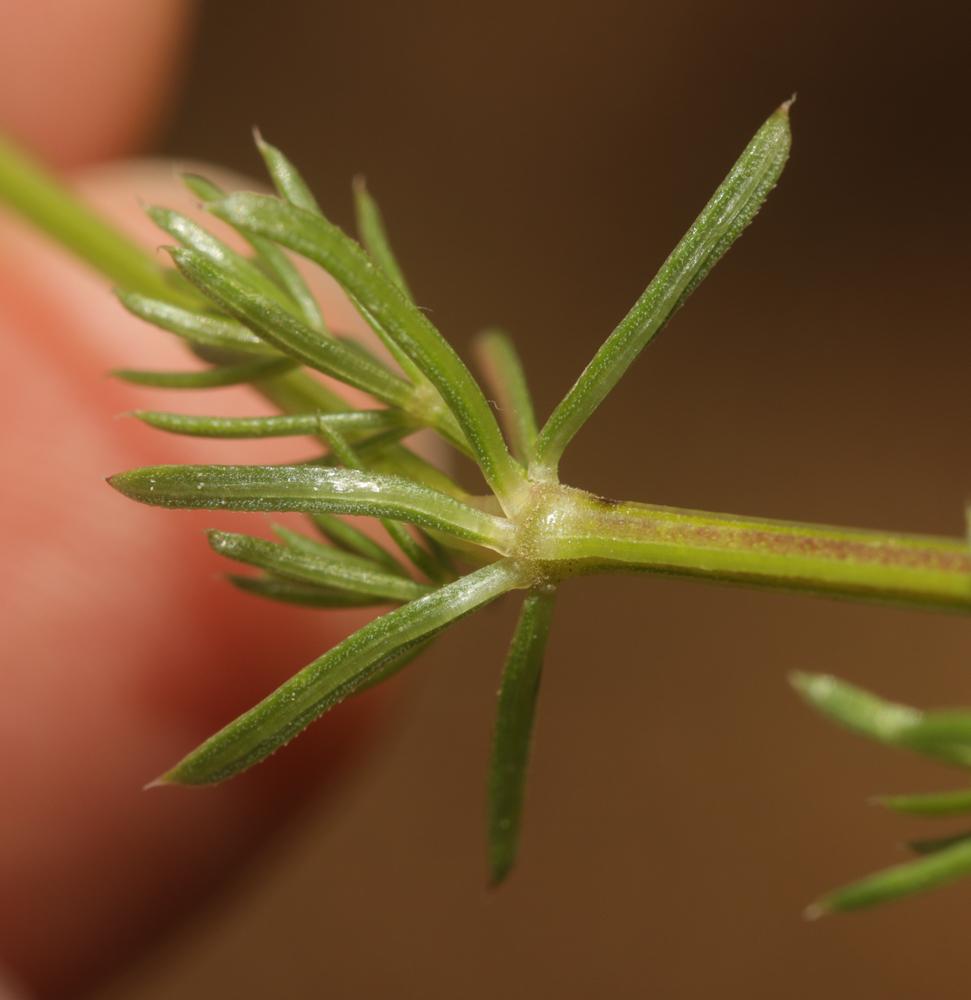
202, 187
370, 227
927, 872
301, 542
954, 803
276, 262
514, 727
240, 269
353, 540
411, 371
936, 844
210, 378
289, 334
721, 222
338, 673
302, 391
507, 381
293, 189
864, 713
200, 328
412, 549
939, 727
285, 176
348, 573
288, 425
304, 594
311, 489
314, 237
869, 715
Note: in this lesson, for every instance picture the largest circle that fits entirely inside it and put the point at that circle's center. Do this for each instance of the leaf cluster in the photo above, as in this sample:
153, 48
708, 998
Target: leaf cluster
250, 316
436, 552
943, 736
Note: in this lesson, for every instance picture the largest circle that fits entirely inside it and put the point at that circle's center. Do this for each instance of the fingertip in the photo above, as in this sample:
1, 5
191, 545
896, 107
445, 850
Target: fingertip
124, 61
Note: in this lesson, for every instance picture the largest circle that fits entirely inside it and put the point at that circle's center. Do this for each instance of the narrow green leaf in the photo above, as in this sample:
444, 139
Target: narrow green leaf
289, 425
372, 554
211, 378
416, 553
441, 555
399, 534
936, 844
286, 332
507, 381
275, 261
940, 727
312, 489
199, 328
864, 713
954, 803
412, 372
405, 365
233, 265
336, 570
301, 391
855, 708
304, 594
338, 673
203, 188
398, 460
313, 237
293, 189
514, 726
352, 540
353, 344
396, 663
731, 209
370, 226
902, 880
285, 176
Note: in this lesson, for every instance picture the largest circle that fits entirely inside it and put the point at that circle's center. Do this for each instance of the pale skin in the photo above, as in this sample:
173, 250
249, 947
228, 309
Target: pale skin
122, 648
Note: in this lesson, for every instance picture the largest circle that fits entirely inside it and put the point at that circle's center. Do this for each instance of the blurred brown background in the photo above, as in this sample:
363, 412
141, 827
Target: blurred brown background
535, 164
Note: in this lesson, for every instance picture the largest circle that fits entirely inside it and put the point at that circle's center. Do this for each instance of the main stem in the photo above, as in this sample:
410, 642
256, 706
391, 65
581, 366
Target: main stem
577, 532
42, 200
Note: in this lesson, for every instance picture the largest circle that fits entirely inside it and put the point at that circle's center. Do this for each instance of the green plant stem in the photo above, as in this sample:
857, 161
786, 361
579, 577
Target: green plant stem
593, 535
42, 200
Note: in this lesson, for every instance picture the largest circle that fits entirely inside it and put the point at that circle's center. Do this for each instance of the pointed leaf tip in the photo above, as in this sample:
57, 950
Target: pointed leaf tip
806, 684
162, 781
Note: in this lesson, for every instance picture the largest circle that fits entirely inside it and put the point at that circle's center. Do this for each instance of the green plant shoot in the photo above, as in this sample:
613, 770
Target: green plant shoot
249, 317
